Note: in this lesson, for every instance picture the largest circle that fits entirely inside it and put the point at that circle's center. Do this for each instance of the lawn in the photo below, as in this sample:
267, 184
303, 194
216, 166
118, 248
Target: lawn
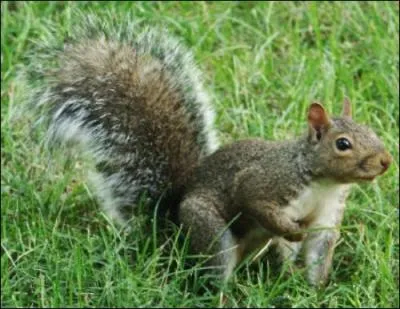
264, 62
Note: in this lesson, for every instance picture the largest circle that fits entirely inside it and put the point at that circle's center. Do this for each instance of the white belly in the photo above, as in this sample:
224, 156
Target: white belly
319, 203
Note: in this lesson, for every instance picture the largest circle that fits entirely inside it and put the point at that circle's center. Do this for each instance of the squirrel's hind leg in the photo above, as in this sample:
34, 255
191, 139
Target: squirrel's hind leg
209, 232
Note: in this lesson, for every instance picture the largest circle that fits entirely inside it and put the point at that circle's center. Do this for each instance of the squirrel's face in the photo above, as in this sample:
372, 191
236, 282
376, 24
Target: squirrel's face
346, 151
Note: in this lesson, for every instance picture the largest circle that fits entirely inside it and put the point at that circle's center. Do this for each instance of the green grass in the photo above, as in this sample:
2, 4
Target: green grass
264, 63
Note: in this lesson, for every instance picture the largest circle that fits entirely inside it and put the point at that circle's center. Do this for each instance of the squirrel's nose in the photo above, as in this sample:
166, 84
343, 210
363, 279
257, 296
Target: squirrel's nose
385, 161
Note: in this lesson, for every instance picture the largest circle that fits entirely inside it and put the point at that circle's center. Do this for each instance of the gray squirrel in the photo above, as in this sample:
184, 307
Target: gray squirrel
134, 101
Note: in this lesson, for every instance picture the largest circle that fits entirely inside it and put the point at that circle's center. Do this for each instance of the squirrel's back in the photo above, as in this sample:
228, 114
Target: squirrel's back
134, 101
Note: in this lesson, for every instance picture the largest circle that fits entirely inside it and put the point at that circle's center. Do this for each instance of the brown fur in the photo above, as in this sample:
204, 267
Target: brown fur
140, 98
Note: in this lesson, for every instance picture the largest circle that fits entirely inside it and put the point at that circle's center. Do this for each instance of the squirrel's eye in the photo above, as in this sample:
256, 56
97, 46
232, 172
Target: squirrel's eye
343, 144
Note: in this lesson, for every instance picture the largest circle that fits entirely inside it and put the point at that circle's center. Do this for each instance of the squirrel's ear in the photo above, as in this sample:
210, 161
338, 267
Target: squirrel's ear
346, 111
318, 121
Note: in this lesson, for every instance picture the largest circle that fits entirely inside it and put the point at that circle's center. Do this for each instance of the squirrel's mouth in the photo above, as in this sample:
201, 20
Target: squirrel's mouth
370, 178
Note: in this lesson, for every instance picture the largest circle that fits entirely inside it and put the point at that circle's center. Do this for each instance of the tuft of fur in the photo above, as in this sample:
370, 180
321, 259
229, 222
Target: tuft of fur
131, 97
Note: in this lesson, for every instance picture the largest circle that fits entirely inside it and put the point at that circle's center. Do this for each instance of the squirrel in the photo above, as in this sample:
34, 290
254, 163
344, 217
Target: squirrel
134, 99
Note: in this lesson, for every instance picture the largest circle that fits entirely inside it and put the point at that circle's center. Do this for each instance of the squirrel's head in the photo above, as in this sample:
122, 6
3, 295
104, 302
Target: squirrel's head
345, 151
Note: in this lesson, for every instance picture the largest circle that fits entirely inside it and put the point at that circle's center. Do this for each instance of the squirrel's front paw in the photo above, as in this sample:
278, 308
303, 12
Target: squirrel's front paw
297, 234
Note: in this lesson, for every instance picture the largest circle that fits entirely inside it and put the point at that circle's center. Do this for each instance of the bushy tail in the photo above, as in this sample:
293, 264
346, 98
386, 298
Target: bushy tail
131, 98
